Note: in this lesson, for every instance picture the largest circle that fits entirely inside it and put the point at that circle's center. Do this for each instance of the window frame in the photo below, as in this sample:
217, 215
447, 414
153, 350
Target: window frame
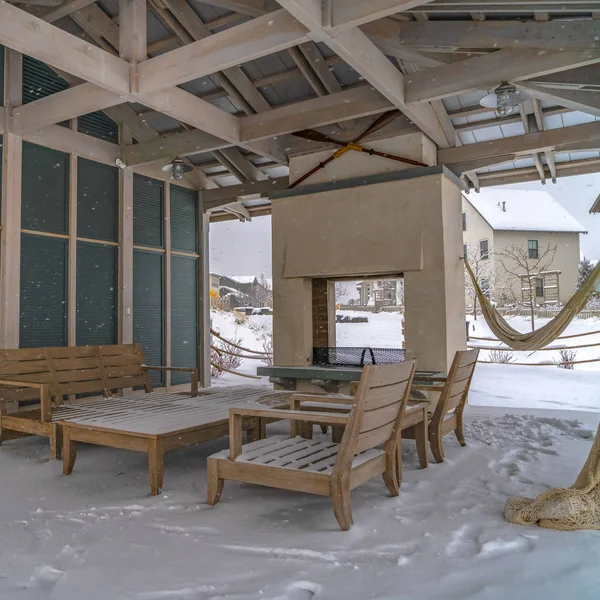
533, 252
464, 221
484, 255
539, 287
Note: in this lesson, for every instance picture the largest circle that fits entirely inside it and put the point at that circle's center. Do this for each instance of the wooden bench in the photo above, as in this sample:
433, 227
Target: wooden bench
36, 382
157, 424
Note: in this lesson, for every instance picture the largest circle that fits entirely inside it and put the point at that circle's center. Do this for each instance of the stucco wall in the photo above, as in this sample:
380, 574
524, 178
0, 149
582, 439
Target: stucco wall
411, 226
566, 258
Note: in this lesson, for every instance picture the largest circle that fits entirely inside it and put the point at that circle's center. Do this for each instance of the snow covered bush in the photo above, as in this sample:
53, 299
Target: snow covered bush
267, 347
566, 356
228, 359
502, 357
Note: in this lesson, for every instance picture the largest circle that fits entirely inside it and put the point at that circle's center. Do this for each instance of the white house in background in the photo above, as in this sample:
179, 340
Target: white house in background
496, 219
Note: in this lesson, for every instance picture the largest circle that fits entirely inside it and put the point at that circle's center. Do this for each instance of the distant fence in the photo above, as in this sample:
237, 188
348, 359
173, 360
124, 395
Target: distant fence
371, 309
545, 312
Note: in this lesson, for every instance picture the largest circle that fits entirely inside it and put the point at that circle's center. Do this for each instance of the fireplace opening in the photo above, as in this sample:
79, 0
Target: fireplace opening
356, 323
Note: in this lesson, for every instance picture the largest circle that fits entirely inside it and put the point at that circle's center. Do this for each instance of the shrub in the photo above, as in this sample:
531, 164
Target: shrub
501, 356
222, 360
566, 356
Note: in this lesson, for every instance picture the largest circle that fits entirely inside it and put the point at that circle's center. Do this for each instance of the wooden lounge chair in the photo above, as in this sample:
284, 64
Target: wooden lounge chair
323, 467
446, 415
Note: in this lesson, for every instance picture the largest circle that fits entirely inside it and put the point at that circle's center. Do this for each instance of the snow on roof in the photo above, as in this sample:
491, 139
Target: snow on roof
523, 210
243, 278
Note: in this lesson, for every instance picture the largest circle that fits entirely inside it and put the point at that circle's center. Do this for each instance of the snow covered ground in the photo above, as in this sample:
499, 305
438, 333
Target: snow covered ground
97, 535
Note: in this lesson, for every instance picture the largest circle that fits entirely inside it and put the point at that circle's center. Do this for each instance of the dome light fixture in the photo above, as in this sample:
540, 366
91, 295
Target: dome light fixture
178, 167
505, 99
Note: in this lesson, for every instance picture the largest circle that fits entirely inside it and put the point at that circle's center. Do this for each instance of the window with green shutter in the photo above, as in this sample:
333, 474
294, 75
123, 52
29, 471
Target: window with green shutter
148, 212
184, 219
43, 299
184, 315
97, 268
148, 309
97, 201
45, 192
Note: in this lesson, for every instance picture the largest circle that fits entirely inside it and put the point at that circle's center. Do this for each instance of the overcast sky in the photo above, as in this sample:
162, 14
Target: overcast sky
245, 248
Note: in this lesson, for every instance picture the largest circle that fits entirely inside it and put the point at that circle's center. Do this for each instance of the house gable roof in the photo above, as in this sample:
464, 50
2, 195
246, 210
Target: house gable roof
523, 210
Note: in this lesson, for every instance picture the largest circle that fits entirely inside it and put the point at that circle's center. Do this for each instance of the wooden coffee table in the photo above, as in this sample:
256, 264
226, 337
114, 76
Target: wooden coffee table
156, 423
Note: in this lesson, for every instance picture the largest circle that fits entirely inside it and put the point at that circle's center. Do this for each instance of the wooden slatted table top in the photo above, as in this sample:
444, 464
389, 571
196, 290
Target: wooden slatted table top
160, 413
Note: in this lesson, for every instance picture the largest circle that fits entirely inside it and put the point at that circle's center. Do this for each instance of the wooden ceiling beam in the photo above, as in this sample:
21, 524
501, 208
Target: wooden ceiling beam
242, 43
521, 144
587, 102
32, 36
490, 70
390, 35
356, 49
345, 14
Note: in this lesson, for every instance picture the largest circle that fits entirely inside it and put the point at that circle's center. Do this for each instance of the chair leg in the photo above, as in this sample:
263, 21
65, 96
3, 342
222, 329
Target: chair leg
340, 502
421, 435
69, 452
459, 431
324, 429
253, 433
155, 466
214, 485
435, 441
337, 432
56, 441
392, 476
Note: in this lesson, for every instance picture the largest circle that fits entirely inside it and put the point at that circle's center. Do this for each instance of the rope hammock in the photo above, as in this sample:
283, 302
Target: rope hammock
539, 338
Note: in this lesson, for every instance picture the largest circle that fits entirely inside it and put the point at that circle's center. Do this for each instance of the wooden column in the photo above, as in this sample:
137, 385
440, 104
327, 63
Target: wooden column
203, 296
125, 246
72, 271
167, 283
10, 250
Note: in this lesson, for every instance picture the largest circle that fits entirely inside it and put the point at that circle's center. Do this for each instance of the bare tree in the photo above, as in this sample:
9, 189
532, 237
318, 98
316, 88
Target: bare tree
481, 265
261, 292
520, 265
341, 290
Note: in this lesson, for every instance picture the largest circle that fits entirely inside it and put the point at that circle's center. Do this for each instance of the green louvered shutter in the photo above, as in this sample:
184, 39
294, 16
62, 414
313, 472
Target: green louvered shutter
97, 201
45, 189
184, 219
43, 310
96, 294
148, 309
98, 125
184, 315
147, 212
39, 80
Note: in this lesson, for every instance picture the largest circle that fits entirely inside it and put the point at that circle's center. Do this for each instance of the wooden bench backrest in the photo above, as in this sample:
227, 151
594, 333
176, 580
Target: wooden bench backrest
26, 365
73, 370
122, 367
458, 382
377, 411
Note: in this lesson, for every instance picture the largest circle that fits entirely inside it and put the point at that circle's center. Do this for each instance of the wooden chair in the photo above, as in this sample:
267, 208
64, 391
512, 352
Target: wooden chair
447, 415
323, 467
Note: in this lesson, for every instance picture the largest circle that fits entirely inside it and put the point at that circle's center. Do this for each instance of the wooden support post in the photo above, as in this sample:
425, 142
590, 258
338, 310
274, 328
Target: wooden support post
72, 293
167, 283
203, 295
10, 250
125, 246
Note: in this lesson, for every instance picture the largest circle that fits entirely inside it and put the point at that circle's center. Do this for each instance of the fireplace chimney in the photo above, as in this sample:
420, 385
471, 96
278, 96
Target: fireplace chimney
503, 206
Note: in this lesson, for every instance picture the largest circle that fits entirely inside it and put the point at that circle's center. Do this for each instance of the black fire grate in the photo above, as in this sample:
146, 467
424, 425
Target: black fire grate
356, 357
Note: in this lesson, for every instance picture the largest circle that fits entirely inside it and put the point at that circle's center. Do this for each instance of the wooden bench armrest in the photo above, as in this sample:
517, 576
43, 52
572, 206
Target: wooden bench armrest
45, 395
297, 399
192, 370
427, 388
441, 378
236, 416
